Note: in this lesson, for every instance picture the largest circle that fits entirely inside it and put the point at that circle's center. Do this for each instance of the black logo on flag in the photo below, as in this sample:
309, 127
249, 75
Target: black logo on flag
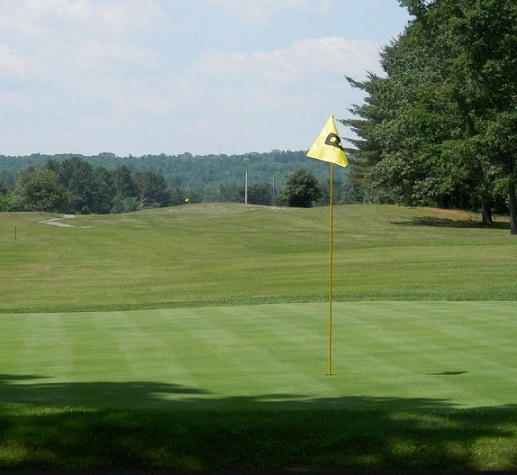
334, 141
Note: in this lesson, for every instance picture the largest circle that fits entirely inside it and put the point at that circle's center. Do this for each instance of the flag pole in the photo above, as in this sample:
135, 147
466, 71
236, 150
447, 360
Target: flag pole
330, 267
328, 148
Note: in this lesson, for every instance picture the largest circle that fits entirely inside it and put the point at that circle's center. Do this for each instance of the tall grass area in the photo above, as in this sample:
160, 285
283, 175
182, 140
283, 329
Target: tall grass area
195, 338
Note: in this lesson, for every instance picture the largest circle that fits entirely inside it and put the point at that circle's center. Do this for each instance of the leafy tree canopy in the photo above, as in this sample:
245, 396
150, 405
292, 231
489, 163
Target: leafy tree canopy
38, 189
440, 128
301, 189
107, 183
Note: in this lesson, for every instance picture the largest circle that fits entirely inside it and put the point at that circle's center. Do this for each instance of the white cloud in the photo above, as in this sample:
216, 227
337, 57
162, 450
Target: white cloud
220, 83
234, 101
93, 75
95, 57
260, 94
48, 19
15, 65
66, 41
305, 60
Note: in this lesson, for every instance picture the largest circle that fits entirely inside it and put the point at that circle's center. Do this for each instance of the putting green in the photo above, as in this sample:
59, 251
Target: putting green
404, 355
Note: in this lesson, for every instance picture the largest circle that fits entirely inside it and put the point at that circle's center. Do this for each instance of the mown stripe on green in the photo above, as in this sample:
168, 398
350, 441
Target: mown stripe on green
459, 353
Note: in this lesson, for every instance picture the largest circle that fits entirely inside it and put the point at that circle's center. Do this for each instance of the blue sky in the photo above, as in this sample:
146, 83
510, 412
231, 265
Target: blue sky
171, 76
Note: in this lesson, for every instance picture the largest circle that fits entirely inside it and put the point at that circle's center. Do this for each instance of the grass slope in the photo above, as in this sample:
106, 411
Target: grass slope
236, 254
174, 366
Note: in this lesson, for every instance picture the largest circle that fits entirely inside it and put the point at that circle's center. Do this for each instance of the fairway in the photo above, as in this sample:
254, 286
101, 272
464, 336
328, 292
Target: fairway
387, 355
228, 254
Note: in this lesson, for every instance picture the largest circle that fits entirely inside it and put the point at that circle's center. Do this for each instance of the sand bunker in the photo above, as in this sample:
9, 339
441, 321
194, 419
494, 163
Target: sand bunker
59, 222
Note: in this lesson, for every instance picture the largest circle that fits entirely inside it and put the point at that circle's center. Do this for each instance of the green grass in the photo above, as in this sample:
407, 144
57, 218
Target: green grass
450, 354
233, 254
416, 385
195, 338
326, 441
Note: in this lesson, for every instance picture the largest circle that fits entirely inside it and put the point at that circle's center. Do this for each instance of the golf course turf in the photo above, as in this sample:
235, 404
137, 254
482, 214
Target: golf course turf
195, 338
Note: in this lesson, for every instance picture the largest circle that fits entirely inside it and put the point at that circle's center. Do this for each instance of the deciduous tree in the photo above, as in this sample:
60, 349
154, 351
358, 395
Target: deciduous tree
38, 189
301, 189
440, 128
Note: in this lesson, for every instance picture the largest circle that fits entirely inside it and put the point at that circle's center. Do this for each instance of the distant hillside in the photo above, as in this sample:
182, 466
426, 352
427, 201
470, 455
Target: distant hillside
187, 171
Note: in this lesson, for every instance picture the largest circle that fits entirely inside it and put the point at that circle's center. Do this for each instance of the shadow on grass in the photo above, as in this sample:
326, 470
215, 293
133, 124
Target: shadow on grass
448, 373
450, 223
195, 430
39, 391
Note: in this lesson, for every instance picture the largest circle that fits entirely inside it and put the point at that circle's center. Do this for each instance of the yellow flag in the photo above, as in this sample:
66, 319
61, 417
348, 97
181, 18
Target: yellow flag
328, 146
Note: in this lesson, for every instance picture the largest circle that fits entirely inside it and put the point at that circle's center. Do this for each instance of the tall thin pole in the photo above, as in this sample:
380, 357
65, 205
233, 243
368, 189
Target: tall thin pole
246, 189
274, 190
330, 266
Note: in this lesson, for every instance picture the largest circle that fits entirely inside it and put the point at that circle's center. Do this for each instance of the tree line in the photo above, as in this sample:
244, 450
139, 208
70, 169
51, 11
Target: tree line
439, 127
75, 184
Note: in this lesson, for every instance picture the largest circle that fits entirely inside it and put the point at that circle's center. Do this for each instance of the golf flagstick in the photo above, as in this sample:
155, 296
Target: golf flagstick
328, 148
331, 240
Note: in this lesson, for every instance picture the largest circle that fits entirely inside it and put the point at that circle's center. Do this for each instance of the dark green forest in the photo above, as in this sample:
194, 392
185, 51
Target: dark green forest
106, 183
439, 126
